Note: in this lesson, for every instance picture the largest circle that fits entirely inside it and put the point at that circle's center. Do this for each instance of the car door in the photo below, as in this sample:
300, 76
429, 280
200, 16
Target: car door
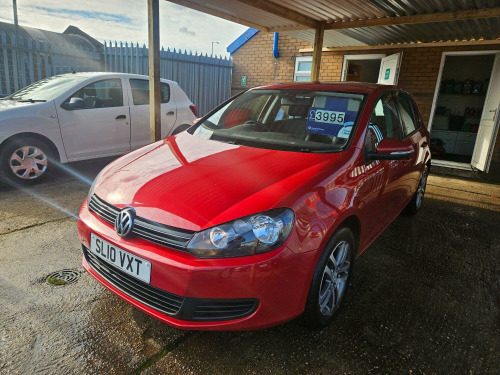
139, 111
380, 191
94, 121
412, 167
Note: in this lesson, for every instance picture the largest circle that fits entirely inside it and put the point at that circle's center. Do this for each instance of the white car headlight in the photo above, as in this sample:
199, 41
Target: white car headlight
250, 235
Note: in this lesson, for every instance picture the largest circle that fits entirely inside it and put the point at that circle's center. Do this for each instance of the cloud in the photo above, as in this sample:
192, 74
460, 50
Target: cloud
107, 17
126, 21
185, 30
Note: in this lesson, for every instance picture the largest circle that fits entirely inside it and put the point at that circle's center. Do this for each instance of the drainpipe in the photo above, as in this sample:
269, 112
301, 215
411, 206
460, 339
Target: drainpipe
275, 46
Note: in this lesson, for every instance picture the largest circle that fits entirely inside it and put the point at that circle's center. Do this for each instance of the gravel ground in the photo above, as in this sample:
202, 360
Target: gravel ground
423, 299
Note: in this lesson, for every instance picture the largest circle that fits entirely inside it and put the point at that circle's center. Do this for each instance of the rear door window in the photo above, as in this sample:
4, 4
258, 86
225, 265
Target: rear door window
140, 91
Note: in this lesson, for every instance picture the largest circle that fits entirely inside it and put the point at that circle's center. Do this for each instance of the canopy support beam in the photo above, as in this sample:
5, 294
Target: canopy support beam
401, 20
418, 18
281, 11
318, 47
154, 70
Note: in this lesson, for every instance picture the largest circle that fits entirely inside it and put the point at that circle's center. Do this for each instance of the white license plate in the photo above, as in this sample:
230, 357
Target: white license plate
129, 263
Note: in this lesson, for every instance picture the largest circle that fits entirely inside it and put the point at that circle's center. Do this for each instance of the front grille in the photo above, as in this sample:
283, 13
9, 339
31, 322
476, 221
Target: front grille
146, 294
224, 310
183, 308
149, 230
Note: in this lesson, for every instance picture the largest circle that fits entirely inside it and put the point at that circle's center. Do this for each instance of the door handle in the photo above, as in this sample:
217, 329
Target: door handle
120, 117
170, 113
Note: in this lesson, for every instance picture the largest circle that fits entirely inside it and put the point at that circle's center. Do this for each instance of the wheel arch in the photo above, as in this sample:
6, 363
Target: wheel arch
53, 147
353, 223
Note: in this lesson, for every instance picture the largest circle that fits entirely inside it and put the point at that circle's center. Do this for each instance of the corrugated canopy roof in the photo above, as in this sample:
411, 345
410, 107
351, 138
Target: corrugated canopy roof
363, 22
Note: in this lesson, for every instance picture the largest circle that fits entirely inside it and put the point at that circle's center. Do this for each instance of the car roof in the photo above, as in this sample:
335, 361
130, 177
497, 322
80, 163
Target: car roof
114, 74
354, 87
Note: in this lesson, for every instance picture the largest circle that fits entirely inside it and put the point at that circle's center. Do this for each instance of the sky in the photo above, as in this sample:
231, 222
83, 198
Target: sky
126, 20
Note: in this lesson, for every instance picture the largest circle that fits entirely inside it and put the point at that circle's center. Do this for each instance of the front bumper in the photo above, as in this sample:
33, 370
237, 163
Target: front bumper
265, 289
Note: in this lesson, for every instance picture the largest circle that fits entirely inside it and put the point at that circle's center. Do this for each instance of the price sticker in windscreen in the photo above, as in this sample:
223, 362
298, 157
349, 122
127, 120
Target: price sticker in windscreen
324, 122
325, 116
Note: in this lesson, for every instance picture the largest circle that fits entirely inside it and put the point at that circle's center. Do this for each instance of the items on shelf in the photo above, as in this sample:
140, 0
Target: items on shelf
458, 87
473, 112
450, 86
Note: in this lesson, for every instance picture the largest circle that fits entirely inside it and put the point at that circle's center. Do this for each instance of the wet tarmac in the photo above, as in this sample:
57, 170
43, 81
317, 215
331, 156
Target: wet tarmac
424, 299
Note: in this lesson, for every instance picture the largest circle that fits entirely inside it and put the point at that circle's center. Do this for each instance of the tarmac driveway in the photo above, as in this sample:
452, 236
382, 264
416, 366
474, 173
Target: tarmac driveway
423, 299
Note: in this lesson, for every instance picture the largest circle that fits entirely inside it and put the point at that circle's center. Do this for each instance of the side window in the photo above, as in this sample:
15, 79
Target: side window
140, 91
100, 94
384, 120
407, 113
165, 92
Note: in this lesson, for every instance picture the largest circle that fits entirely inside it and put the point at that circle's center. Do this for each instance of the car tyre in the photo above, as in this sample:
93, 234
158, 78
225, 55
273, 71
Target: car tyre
416, 201
331, 279
25, 161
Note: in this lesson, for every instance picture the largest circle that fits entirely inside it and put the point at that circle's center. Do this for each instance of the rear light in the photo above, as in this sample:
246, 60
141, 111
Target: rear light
193, 108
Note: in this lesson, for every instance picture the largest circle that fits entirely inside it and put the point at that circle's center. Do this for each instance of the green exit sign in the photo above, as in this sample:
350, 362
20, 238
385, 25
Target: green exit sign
243, 80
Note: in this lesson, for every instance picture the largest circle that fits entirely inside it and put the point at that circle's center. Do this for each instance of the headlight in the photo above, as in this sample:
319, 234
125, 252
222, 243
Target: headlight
250, 235
92, 187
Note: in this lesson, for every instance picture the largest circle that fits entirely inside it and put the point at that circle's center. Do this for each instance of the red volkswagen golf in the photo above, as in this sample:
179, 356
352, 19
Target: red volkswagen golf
256, 214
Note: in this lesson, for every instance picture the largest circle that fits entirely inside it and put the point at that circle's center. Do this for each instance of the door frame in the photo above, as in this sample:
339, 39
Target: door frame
445, 163
370, 56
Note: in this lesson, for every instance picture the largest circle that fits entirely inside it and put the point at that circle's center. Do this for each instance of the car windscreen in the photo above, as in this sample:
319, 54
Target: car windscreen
292, 120
48, 88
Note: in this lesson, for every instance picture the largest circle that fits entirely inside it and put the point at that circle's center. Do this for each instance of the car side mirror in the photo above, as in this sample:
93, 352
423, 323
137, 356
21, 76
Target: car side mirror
74, 103
391, 149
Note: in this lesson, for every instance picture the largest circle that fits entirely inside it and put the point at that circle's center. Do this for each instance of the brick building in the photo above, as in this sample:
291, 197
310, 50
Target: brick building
426, 70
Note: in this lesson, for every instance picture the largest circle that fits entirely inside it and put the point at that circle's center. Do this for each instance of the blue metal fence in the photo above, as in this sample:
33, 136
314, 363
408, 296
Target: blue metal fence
205, 79
29, 60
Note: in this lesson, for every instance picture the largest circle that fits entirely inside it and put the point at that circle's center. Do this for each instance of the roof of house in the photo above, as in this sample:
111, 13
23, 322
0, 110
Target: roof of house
241, 40
72, 35
75, 31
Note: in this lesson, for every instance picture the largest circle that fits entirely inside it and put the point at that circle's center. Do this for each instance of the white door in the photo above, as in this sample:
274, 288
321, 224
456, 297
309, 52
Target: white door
94, 121
139, 112
389, 69
488, 127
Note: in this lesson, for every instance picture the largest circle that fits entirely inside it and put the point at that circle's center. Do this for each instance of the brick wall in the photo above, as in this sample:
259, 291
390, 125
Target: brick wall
418, 74
256, 61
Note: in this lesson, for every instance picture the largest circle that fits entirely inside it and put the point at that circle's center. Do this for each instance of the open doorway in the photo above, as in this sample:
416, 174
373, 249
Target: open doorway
458, 106
361, 68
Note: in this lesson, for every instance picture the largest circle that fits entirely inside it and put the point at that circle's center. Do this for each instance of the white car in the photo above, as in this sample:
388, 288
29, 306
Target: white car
81, 116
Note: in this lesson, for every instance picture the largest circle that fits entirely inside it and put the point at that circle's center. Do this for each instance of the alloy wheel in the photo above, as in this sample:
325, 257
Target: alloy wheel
28, 162
334, 280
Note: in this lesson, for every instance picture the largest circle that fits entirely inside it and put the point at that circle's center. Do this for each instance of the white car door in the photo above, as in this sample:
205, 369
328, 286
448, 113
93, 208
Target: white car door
95, 120
139, 111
